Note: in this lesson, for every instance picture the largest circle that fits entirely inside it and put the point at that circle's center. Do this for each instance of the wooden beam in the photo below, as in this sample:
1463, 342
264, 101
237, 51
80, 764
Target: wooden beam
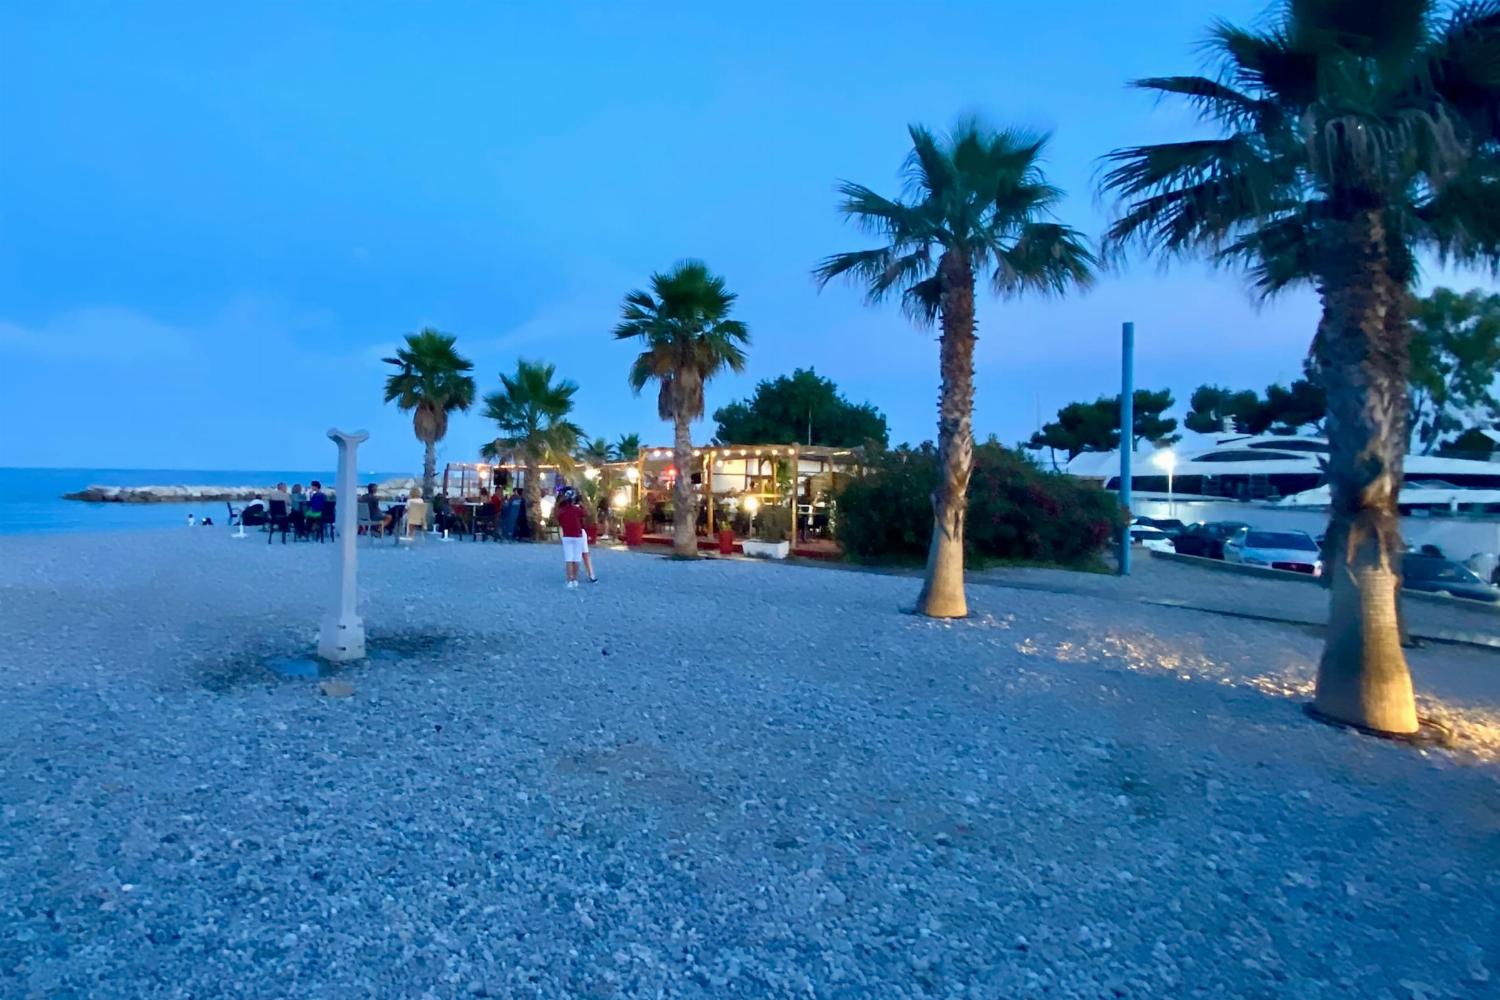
708, 487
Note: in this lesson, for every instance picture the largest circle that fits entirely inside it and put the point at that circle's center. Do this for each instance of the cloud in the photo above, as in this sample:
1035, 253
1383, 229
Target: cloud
102, 334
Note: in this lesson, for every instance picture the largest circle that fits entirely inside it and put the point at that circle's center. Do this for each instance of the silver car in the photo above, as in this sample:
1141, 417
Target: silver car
1294, 551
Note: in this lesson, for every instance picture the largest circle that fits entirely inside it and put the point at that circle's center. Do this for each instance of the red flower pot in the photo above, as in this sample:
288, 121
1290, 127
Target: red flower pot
635, 532
726, 542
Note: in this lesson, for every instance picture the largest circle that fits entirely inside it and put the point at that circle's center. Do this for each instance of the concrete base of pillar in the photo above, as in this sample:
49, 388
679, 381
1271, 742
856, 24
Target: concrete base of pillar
341, 640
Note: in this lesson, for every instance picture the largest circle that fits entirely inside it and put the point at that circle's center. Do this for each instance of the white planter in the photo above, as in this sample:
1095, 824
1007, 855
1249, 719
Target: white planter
766, 550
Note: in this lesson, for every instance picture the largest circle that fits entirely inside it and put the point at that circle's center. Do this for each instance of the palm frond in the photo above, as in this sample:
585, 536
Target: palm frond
1046, 258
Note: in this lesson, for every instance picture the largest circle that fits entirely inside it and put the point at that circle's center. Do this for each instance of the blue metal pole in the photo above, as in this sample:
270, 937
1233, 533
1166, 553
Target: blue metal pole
1127, 433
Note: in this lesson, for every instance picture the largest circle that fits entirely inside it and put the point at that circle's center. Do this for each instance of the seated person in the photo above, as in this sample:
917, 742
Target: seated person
317, 501
255, 512
397, 512
372, 505
443, 517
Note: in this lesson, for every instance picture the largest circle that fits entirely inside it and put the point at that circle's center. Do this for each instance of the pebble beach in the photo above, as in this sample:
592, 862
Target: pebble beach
717, 779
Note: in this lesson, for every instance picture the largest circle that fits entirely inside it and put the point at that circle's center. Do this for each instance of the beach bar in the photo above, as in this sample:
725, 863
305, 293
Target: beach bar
733, 481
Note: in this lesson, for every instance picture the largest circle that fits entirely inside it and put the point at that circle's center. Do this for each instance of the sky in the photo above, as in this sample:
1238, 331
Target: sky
215, 220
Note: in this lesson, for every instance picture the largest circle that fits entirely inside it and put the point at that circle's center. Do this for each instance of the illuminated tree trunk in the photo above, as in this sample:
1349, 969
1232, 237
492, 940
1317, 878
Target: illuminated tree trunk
943, 589
429, 470
533, 495
1363, 348
685, 516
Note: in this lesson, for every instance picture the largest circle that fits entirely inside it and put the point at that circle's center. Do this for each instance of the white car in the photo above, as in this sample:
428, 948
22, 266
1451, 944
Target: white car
1294, 551
1151, 538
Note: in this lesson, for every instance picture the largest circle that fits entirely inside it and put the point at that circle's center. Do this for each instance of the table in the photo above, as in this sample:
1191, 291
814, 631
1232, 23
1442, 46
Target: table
473, 518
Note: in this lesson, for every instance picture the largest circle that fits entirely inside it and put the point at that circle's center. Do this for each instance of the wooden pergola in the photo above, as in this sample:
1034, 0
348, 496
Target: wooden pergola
720, 462
468, 478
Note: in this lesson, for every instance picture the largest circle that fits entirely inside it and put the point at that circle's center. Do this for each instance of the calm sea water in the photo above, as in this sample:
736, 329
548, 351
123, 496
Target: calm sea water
31, 499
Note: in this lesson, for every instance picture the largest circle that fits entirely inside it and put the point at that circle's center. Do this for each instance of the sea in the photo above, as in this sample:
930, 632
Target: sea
31, 499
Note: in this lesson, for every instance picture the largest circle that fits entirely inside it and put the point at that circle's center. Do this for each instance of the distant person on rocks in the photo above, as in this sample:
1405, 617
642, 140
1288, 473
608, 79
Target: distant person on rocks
571, 517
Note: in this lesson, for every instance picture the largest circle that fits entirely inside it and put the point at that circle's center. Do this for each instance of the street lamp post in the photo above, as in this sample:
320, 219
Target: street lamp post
1167, 459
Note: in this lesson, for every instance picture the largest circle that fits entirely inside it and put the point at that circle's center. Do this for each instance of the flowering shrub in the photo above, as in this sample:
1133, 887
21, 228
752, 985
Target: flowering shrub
1017, 511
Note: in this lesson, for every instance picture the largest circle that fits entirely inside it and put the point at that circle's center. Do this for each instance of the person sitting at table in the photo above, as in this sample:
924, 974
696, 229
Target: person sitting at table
372, 506
299, 498
394, 513
444, 518
254, 512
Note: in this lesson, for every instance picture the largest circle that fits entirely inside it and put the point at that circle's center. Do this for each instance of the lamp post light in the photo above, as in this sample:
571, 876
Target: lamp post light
1167, 459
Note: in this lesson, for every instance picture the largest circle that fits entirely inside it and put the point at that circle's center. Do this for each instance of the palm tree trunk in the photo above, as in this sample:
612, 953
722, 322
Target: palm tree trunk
685, 517
429, 470
943, 589
1363, 346
533, 494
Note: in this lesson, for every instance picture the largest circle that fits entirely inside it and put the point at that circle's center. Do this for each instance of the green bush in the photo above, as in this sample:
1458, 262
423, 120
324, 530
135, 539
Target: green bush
1017, 511
773, 524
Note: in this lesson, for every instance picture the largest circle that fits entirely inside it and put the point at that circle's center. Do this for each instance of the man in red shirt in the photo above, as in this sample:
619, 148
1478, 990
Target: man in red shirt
571, 517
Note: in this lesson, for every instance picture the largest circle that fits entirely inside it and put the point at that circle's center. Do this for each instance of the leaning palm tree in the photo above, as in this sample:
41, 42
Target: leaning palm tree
431, 381
625, 448
977, 201
687, 338
595, 451
531, 411
1350, 136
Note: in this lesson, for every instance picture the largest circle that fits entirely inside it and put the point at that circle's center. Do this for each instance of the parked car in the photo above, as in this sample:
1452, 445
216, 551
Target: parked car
1435, 575
1149, 536
1206, 538
1294, 551
1171, 525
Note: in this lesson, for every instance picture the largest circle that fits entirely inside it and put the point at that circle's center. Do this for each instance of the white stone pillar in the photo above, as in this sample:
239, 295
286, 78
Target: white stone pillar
343, 633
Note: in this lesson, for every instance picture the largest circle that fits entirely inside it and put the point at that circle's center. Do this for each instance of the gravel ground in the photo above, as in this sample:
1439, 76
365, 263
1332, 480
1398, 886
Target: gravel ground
720, 779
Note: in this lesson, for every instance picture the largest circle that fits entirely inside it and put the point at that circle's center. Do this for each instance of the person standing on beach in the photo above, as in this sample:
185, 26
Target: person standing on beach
571, 516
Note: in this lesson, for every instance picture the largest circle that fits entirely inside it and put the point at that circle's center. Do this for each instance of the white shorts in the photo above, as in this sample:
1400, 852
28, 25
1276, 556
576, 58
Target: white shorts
574, 548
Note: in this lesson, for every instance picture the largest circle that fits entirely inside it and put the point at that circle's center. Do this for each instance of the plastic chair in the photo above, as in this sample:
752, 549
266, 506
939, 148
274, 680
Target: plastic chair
415, 517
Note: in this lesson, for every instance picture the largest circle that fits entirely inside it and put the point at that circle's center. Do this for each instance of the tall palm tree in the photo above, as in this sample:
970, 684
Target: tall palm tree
977, 201
531, 411
595, 451
687, 338
431, 381
1350, 135
626, 448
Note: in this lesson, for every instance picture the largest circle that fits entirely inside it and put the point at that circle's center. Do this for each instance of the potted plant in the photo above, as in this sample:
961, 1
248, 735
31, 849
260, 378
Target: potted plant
773, 525
634, 516
726, 541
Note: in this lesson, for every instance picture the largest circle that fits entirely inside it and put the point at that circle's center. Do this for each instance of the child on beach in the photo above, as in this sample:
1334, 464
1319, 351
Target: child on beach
571, 516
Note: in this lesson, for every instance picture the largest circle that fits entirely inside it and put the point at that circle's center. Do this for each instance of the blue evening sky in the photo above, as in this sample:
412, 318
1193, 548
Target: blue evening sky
216, 218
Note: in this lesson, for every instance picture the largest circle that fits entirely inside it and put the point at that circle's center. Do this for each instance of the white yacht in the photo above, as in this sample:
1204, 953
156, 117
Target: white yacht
1286, 470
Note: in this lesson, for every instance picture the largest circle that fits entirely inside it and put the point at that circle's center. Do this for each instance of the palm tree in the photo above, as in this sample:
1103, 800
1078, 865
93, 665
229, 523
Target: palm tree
595, 451
978, 201
531, 411
431, 381
687, 338
1350, 136
626, 448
